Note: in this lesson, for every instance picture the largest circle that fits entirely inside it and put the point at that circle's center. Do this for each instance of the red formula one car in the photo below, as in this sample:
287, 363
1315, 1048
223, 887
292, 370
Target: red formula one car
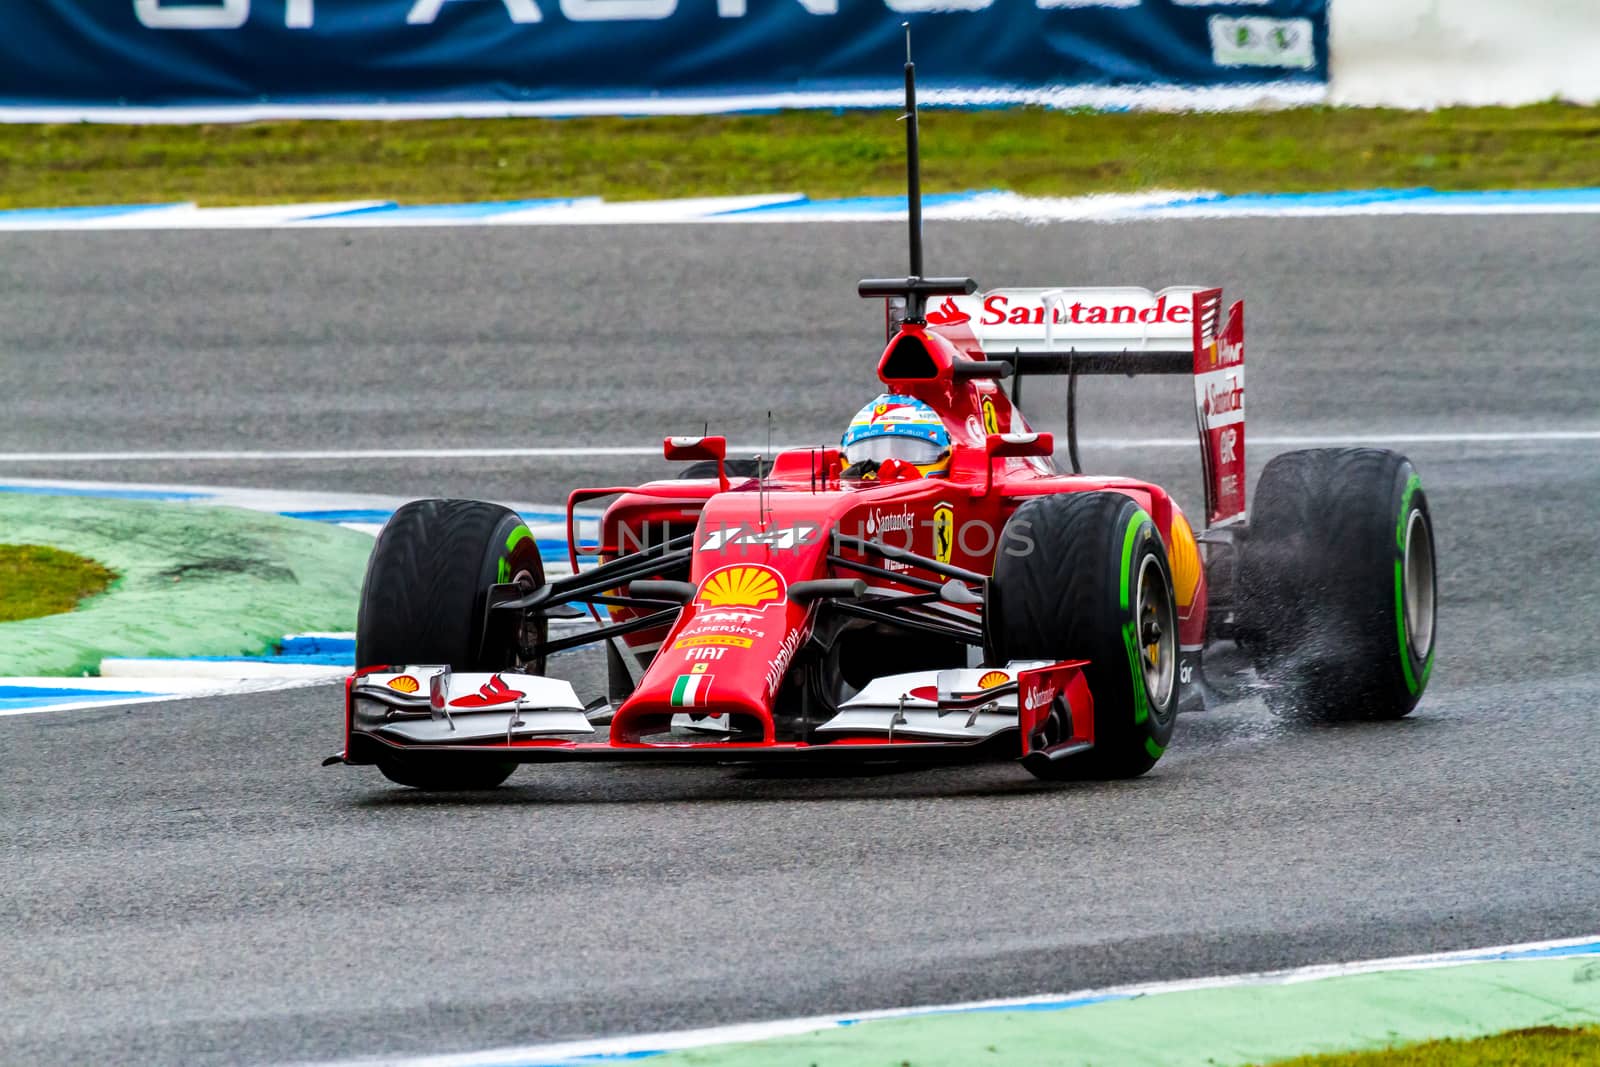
817, 608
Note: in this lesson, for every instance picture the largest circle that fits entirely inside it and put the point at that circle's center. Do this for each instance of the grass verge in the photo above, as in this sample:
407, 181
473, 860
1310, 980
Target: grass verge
36, 580
193, 580
821, 153
1540, 1046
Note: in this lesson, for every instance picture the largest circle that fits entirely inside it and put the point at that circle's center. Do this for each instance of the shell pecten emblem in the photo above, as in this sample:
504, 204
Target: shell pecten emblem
742, 586
993, 679
1183, 557
404, 684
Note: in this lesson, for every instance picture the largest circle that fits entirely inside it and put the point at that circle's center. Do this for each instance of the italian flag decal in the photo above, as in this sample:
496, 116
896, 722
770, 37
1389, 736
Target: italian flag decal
690, 690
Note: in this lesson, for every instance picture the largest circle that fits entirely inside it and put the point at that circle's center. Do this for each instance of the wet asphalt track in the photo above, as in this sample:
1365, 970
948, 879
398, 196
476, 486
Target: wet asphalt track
182, 883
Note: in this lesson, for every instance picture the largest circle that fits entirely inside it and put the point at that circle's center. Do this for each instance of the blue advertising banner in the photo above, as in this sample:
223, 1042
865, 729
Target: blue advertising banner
569, 56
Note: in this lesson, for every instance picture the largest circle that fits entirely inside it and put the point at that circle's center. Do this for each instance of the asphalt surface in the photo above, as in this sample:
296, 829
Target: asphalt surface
183, 884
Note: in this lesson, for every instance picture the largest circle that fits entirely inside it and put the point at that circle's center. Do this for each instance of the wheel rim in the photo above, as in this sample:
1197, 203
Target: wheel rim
1158, 633
532, 631
1417, 585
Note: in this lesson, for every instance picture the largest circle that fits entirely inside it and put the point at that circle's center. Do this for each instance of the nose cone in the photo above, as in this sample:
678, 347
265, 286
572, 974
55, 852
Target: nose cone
728, 655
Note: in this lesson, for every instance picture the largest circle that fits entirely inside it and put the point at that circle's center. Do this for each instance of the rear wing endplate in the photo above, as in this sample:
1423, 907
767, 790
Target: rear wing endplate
1219, 404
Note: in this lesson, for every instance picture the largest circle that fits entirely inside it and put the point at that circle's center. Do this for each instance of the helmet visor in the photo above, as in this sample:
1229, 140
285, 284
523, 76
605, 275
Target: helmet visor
916, 450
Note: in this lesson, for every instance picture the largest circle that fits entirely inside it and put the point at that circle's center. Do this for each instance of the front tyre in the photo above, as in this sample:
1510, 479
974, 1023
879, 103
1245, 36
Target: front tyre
445, 772
1085, 576
428, 582
424, 600
1338, 584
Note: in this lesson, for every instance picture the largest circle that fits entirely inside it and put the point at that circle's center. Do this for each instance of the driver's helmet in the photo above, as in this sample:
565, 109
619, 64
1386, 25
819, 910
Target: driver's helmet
896, 427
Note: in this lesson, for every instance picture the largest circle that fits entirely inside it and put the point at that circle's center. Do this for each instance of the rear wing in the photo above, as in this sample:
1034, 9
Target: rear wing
1120, 330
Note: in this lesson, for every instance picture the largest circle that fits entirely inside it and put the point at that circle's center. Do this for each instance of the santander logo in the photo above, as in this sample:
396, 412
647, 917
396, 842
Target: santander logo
1221, 399
1038, 699
492, 694
948, 314
997, 310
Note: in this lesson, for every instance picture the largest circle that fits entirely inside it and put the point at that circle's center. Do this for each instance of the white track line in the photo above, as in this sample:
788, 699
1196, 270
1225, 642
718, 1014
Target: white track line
151, 690
639, 1046
581, 451
326, 454
1161, 98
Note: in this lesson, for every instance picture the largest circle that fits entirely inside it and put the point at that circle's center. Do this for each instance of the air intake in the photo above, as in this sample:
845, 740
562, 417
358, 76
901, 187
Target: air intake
909, 361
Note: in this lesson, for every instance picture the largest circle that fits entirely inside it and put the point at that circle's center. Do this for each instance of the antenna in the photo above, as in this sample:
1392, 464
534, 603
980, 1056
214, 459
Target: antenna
761, 493
761, 480
762, 503
913, 171
914, 289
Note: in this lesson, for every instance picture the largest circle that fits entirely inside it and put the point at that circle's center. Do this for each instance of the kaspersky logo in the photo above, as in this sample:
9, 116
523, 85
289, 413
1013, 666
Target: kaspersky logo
742, 586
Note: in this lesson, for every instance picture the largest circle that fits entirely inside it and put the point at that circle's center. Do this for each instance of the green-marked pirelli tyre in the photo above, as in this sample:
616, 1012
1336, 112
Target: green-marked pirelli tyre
423, 602
1085, 576
1337, 584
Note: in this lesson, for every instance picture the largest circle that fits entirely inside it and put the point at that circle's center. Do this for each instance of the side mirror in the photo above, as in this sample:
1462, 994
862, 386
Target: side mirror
688, 448
693, 448
1006, 445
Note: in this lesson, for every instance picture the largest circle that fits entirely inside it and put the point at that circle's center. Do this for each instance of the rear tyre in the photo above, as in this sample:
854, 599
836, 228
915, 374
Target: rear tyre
1093, 584
423, 602
1338, 585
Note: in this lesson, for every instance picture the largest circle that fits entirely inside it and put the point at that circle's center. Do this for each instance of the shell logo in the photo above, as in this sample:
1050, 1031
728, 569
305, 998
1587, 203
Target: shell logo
1184, 557
746, 586
992, 679
404, 684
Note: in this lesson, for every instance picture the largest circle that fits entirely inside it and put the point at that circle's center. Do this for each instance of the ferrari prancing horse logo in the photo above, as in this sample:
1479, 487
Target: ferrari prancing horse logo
944, 533
991, 420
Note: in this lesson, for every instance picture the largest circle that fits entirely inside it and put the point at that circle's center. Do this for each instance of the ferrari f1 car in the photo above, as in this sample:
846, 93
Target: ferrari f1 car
1003, 609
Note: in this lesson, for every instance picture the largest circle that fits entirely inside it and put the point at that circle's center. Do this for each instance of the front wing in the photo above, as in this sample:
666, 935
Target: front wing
1033, 710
